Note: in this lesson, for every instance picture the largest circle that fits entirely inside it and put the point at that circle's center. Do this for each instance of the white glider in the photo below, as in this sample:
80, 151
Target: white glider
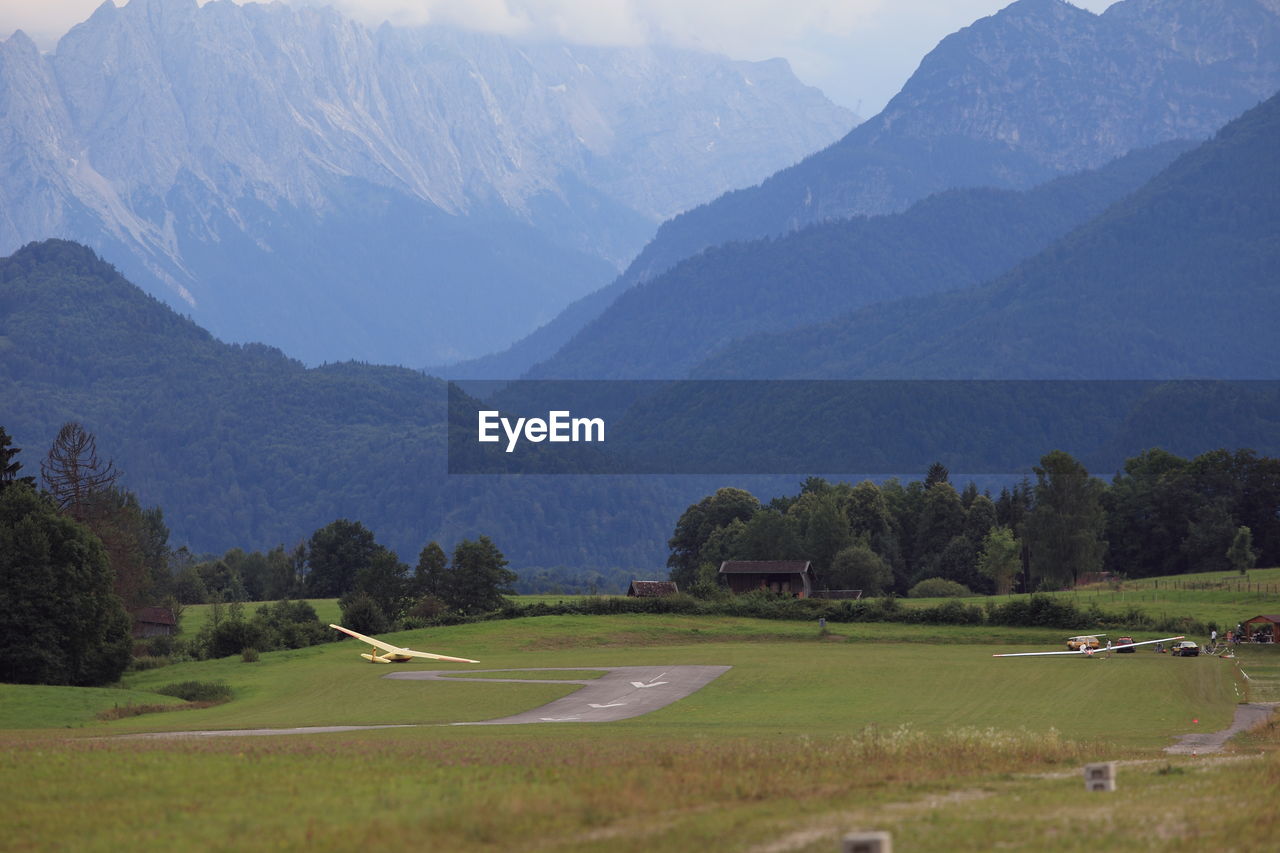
1087, 651
394, 654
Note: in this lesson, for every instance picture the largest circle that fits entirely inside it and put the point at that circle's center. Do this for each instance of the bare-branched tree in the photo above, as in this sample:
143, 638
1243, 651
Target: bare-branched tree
72, 472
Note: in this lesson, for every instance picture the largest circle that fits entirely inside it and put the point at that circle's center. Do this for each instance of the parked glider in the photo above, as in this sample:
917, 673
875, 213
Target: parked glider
1087, 651
394, 654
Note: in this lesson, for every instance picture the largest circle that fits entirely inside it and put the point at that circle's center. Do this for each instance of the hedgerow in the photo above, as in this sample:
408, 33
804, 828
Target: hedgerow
1041, 611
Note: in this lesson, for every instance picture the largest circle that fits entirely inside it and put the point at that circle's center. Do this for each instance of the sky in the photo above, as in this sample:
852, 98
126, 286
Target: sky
859, 52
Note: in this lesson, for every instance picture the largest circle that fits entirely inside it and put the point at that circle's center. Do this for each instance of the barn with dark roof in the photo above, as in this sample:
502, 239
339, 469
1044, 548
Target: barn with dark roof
153, 622
652, 589
789, 577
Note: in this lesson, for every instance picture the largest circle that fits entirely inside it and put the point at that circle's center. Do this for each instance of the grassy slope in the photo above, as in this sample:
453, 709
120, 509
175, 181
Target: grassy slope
194, 616
1221, 598
24, 706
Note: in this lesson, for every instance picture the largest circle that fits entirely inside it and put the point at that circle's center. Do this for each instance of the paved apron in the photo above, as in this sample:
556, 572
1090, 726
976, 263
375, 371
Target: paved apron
623, 692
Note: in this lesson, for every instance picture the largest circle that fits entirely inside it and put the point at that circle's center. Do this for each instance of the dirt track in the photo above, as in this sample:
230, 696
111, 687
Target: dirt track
1247, 716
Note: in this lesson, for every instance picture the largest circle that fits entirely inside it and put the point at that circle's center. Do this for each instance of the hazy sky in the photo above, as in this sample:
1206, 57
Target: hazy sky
859, 52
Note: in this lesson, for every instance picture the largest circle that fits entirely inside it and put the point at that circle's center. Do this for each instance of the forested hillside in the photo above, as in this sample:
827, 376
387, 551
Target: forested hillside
1177, 281
663, 327
242, 446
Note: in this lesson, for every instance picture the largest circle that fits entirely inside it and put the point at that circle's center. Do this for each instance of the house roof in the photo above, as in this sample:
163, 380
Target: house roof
764, 567
653, 589
1271, 618
154, 615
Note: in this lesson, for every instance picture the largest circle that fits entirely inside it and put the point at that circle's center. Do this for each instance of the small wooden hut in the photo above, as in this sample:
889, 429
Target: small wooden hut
153, 622
652, 589
789, 577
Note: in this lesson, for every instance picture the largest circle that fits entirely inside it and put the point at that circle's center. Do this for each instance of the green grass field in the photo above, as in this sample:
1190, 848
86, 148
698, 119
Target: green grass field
1216, 598
912, 729
194, 616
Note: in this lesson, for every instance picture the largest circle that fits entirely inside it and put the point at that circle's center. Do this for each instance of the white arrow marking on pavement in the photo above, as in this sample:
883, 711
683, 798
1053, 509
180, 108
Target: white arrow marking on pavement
653, 682
610, 705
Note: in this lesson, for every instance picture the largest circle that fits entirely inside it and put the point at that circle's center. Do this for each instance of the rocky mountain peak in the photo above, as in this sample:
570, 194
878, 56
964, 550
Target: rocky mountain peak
184, 140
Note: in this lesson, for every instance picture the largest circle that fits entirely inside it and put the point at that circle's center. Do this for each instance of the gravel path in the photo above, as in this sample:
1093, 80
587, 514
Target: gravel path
1247, 716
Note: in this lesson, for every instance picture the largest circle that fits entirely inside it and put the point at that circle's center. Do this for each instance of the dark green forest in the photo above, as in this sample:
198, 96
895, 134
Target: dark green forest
1162, 514
245, 447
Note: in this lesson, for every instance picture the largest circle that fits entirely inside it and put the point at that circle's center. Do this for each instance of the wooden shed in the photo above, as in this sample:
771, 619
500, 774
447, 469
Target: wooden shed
153, 622
790, 577
652, 589
1265, 629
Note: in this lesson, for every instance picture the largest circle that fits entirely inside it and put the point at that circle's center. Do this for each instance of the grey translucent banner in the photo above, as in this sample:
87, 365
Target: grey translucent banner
867, 427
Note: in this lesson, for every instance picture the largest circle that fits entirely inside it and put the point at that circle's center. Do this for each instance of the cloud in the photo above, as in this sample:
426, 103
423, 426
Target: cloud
727, 22
852, 49
730, 25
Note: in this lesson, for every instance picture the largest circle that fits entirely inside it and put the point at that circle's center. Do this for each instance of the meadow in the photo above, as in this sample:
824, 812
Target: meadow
1216, 598
812, 733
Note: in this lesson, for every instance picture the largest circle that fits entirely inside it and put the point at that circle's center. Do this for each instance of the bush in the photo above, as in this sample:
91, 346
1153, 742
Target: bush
1044, 611
938, 588
232, 636
427, 608
951, 613
198, 691
362, 614
292, 625
143, 662
164, 645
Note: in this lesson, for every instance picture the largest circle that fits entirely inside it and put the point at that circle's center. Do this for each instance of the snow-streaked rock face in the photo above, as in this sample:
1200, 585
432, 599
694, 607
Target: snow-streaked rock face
190, 138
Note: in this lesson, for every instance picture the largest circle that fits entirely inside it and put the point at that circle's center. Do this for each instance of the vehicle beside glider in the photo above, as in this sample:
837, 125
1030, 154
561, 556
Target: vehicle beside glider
1087, 650
394, 654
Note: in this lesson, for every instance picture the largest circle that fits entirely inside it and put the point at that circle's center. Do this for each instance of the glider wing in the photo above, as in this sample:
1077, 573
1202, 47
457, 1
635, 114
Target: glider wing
396, 652
1085, 650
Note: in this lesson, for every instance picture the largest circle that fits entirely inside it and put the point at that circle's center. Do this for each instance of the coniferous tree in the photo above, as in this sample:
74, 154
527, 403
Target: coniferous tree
1065, 530
429, 573
72, 472
9, 467
936, 474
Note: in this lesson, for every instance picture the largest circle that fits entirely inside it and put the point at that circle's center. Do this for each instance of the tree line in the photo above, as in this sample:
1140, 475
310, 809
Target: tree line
78, 556
1161, 514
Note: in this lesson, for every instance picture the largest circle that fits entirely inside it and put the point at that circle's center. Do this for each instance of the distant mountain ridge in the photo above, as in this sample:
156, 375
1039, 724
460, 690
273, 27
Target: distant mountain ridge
288, 175
662, 328
1041, 88
1180, 280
